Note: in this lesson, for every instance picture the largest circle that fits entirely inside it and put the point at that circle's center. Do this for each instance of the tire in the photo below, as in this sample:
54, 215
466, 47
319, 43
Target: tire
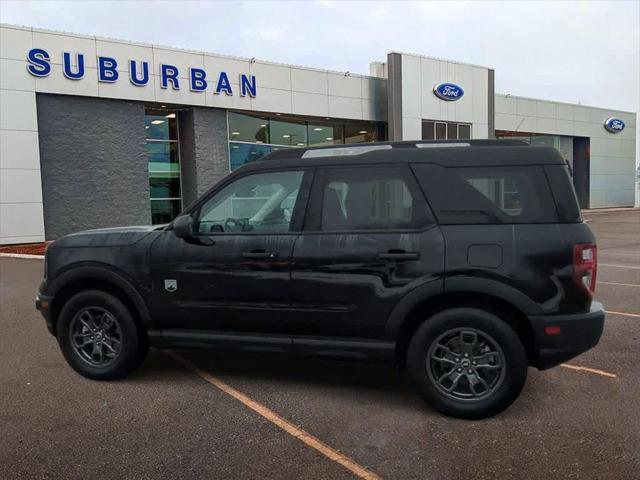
436, 358
99, 337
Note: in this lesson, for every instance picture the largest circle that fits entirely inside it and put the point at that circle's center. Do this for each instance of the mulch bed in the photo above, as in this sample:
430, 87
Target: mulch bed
26, 248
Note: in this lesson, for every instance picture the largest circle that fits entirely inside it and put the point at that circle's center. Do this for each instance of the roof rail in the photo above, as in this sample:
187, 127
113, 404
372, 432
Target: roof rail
362, 148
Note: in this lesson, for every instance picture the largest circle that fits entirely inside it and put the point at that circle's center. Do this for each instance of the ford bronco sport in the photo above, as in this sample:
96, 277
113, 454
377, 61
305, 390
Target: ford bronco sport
466, 261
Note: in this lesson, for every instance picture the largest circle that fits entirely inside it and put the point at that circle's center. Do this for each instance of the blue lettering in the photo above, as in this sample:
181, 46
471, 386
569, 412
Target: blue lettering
133, 73
223, 84
247, 85
198, 82
169, 72
67, 66
107, 69
39, 65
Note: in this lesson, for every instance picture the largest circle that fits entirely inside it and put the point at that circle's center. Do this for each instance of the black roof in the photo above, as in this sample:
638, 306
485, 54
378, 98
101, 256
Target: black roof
449, 153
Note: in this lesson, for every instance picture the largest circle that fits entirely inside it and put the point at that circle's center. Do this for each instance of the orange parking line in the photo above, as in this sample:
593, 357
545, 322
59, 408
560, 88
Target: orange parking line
291, 429
590, 370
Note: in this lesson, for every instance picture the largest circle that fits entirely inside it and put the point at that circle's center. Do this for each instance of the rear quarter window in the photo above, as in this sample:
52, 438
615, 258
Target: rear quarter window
564, 193
488, 195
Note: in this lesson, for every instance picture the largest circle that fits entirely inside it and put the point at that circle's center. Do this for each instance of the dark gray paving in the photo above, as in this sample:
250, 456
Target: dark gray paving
166, 422
163, 422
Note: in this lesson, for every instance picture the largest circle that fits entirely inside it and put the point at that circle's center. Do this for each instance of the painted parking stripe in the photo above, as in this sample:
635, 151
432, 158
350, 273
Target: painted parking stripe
589, 370
620, 284
626, 314
277, 420
615, 265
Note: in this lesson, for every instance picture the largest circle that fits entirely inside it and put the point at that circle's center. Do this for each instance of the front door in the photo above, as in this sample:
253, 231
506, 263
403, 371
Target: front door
369, 239
238, 280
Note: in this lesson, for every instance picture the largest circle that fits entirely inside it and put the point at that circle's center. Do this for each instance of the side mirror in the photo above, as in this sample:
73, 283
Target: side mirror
183, 226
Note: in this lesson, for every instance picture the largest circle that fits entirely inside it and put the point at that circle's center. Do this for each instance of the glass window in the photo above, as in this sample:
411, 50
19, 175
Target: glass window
247, 128
361, 132
160, 125
165, 184
163, 157
427, 131
267, 133
368, 199
488, 195
445, 131
452, 131
163, 211
241, 153
326, 133
261, 202
288, 133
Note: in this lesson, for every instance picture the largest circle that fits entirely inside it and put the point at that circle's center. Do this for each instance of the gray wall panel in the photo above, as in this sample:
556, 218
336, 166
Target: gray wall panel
204, 150
93, 163
491, 107
394, 96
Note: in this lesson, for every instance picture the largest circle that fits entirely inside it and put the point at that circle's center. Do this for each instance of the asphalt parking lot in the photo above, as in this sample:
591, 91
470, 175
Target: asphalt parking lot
171, 421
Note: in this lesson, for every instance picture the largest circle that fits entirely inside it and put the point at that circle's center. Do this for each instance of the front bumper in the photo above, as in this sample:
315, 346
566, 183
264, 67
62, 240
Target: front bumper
561, 337
43, 305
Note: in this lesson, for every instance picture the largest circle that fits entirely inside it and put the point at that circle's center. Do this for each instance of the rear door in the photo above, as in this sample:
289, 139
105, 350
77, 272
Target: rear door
369, 238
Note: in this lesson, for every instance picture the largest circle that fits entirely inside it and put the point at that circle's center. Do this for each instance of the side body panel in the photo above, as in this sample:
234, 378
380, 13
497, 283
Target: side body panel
343, 288
216, 287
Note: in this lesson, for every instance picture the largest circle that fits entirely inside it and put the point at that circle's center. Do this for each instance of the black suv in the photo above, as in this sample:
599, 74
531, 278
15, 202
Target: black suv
465, 261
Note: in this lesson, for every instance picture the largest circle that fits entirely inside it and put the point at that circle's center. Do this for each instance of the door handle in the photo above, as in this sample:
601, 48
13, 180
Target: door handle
399, 255
259, 254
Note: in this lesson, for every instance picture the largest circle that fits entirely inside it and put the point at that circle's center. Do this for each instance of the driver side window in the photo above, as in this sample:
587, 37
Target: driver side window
262, 202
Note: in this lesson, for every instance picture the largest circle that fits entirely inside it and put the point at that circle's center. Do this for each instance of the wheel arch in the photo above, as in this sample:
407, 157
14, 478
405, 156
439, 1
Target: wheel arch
99, 278
422, 310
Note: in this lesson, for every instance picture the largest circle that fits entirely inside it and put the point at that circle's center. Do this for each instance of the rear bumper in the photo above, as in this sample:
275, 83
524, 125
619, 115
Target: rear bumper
575, 333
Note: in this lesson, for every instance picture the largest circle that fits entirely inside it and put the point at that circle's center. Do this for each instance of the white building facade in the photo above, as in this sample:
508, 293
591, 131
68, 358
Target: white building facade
98, 132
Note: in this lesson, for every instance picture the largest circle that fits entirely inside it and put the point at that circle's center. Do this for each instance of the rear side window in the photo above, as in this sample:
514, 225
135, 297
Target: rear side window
488, 195
370, 198
564, 193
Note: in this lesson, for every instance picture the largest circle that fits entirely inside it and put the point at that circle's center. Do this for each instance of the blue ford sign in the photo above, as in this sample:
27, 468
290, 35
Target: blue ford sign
109, 70
614, 125
448, 91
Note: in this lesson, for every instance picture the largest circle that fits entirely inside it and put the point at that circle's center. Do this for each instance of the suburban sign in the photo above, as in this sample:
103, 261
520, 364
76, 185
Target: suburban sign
448, 91
614, 125
73, 68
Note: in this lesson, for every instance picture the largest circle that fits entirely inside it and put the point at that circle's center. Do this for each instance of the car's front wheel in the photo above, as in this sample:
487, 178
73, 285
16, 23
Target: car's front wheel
99, 337
467, 362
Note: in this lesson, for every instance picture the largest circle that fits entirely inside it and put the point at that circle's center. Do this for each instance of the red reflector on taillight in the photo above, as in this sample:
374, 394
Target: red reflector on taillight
552, 330
585, 266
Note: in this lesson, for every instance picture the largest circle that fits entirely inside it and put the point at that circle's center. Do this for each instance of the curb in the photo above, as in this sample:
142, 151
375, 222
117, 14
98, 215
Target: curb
21, 255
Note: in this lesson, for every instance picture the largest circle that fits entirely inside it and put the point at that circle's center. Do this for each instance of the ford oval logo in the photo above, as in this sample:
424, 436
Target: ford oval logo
448, 91
614, 125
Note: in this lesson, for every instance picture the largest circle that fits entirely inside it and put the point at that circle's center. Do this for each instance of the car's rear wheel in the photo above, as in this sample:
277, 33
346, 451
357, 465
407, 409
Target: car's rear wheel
99, 337
467, 362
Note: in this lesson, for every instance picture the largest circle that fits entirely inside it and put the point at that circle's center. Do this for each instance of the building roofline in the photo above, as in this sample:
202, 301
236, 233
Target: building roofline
508, 95
439, 59
186, 50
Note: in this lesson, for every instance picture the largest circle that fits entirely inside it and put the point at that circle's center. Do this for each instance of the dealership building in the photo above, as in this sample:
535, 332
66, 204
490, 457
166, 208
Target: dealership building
97, 132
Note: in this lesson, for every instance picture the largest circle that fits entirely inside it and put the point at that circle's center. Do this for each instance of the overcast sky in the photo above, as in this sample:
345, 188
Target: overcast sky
587, 52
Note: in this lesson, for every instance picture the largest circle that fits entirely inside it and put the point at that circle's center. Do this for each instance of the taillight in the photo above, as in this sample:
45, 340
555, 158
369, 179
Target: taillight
585, 266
